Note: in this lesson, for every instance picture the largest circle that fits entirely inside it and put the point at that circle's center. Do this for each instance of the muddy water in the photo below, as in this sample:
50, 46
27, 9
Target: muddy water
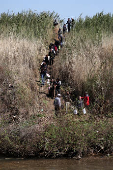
57, 164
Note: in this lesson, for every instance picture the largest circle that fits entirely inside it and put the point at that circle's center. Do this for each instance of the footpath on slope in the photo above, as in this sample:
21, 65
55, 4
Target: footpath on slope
46, 105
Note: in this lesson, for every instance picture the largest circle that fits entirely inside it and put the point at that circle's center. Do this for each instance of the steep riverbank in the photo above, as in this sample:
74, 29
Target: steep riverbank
28, 125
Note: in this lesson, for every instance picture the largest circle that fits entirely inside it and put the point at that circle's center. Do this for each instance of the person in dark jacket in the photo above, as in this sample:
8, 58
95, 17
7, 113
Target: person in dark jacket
72, 23
46, 59
69, 24
64, 29
57, 43
58, 84
43, 72
59, 32
55, 23
52, 55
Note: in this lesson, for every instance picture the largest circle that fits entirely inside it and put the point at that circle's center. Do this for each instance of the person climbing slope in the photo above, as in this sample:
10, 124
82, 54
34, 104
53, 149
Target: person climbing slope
43, 72
64, 29
57, 104
69, 24
86, 99
57, 88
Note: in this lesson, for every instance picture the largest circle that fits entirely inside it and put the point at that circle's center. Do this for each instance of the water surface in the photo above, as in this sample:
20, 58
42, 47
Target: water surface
91, 163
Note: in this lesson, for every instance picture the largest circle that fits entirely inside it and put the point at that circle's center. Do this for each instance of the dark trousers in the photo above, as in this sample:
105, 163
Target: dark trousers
57, 91
57, 110
51, 61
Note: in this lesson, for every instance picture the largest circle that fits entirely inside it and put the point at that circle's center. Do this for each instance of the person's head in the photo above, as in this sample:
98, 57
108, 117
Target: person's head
67, 92
58, 95
57, 79
44, 63
86, 93
79, 97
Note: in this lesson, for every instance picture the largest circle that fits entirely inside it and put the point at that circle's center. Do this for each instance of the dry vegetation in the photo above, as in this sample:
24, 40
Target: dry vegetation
20, 61
28, 126
84, 66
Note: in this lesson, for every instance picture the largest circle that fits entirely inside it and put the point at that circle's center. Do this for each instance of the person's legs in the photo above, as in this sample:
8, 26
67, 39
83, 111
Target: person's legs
52, 92
58, 91
68, 28
42, 77
56, 110
52, 61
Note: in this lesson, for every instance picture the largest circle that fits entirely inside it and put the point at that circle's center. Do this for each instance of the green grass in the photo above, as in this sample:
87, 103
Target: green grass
28, 24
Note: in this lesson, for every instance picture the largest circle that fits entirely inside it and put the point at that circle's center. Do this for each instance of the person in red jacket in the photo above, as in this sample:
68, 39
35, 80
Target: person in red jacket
86, 99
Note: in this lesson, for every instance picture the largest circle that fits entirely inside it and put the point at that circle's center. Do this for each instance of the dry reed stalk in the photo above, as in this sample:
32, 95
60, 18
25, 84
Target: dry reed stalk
78, 63
21, 56
21, 59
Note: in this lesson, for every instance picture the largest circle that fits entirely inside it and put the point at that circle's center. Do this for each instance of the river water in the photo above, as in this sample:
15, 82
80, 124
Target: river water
91, 163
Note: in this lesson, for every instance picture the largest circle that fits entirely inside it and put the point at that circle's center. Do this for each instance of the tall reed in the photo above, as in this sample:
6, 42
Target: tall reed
85, 62
28, 24
24, 40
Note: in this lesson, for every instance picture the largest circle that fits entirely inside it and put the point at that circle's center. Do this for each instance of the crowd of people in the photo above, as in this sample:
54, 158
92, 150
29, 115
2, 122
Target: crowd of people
49, 58
54, 85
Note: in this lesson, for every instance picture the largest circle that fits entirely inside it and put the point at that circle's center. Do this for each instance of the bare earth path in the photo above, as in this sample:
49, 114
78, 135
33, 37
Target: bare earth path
47, 106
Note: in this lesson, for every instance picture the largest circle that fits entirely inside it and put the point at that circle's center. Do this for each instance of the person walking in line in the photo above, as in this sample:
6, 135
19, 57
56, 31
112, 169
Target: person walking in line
51, 54
64, 29
52, 88
57, 104
43, 72
57, 86
86, 99
80, 105
61, 40
56, 49
72, 23
59, 33
57, 43
55, 23
69, 24
46, 59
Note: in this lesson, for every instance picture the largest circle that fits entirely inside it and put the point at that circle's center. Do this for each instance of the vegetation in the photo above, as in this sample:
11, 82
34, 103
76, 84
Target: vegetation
68, 138
28, 126
28, 25
85, 63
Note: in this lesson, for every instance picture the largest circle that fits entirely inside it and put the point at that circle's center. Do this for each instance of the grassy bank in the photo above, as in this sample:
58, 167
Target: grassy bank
70, 137
28, 126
